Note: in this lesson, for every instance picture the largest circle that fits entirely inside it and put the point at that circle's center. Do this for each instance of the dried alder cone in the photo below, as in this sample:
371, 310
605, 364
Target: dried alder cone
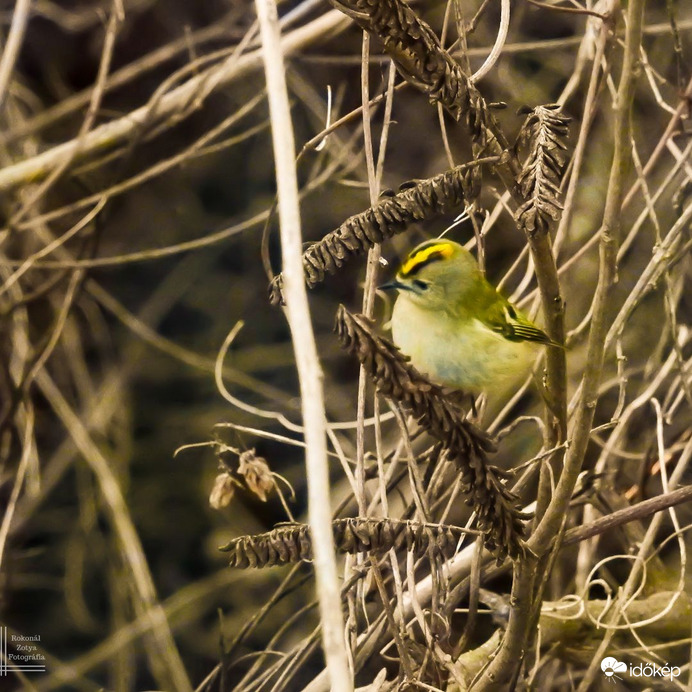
416, 51
545, 130
415, 201
413, 46
422, 61
496, 507
291, 543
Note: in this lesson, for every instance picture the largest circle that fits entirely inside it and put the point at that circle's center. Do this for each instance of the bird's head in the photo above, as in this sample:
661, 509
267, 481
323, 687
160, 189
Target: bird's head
436, 274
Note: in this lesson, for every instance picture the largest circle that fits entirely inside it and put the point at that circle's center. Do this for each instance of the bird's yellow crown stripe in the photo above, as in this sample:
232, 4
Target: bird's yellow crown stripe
426, 254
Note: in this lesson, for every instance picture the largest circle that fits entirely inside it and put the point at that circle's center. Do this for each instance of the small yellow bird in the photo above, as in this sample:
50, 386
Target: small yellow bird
456, 327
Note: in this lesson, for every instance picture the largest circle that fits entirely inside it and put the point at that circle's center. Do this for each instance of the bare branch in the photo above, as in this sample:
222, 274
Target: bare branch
309, 373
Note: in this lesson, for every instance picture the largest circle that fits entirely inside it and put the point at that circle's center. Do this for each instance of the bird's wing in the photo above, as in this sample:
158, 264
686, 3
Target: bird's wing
504, 318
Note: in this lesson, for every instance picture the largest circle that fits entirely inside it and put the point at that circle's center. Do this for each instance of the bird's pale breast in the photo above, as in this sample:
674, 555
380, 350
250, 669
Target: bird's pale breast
463, 354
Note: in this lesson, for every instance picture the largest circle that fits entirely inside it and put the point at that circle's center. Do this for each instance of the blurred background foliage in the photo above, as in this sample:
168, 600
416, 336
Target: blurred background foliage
62, 576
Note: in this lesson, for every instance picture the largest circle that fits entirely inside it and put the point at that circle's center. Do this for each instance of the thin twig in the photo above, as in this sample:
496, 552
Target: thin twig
569, 10
639, 511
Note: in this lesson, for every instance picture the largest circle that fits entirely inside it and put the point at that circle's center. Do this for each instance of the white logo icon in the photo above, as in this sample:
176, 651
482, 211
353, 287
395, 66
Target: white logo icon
610, 666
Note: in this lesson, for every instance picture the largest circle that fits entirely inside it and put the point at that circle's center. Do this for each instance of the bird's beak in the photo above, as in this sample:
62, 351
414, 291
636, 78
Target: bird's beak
393, 286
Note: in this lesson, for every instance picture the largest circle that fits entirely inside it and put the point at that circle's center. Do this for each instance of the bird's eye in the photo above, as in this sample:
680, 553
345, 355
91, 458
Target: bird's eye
422, 285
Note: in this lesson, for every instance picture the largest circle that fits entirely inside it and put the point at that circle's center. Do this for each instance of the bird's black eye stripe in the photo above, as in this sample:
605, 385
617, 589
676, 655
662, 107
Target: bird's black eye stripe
425, 254
423, 285
433, 257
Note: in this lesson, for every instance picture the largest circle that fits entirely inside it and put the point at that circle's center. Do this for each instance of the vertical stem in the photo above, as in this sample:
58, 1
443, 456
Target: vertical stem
371, 271
503, 667
609, 243
309, 372
20, 17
